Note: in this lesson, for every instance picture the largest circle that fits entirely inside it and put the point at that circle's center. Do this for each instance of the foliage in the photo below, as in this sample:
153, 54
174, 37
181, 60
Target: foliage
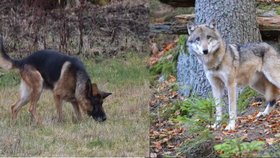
237, 148
264, 6
197, 113
277, 10
183, 43
166, 65
245, 98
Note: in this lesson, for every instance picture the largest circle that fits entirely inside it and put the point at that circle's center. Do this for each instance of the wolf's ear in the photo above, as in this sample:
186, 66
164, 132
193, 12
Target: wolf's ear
105, 94
191, 27
95, 90
212, 24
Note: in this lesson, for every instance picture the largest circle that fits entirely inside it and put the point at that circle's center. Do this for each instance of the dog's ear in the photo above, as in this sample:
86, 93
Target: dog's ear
191, 27
95, 90
212, 24
105, 94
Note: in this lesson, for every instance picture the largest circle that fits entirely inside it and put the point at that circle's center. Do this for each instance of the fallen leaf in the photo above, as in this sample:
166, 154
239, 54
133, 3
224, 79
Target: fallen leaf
277, 135
270, 141
157, 145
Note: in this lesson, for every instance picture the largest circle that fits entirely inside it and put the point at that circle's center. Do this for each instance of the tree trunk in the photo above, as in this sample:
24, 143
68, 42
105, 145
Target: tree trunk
236, 21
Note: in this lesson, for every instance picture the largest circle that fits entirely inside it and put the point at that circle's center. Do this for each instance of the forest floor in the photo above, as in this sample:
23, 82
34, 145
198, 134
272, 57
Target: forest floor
168, 136
124, 133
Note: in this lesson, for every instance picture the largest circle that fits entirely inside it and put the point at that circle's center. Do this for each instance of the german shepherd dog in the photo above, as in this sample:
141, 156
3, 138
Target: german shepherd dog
229, 65
64, 75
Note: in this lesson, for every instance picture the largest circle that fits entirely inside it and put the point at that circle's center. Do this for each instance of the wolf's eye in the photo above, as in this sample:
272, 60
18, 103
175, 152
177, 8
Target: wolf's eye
197, 39
208, 37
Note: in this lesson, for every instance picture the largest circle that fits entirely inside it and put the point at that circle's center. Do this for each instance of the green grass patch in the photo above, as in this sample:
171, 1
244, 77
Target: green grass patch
124, 133
130, 69
100, 143
10, 78
245, 98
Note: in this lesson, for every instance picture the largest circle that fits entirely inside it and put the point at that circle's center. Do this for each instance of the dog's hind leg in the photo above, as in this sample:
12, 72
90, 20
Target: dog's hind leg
24, 99
34, 80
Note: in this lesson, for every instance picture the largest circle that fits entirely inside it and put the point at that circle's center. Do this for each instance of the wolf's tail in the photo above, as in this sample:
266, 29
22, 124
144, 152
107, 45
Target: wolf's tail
6, 62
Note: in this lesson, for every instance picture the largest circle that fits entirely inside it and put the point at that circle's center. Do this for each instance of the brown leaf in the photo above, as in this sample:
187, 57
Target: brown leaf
270, 141
157, 145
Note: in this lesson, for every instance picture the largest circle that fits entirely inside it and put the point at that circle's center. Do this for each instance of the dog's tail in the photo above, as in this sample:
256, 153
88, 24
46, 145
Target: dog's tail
6, 62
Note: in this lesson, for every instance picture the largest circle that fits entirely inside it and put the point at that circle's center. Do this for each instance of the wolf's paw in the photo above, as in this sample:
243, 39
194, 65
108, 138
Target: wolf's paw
230, 126
261, 114
216, 125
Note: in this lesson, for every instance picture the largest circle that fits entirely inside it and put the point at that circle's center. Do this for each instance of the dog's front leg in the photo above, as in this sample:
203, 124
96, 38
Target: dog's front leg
232, 97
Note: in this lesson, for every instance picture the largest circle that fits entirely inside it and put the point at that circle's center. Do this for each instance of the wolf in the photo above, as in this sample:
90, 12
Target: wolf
64, 75
231, 65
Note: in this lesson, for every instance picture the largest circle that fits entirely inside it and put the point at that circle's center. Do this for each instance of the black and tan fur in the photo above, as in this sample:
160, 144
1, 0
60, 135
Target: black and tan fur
64, 75
228, 66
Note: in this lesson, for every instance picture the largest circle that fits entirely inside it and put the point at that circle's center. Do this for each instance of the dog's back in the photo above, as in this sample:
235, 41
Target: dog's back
49, 63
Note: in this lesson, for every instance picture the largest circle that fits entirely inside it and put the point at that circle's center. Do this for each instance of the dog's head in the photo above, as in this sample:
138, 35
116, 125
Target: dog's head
96, 98
203, 39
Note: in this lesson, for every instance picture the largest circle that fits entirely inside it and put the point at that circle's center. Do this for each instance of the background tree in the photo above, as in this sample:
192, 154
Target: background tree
236, 21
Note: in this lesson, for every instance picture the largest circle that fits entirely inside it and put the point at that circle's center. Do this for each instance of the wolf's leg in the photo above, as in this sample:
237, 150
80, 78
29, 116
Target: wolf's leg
77, 110
218, 92
271, 67
268, 109
271, 94
232, 97
24, 99
34, 80
269, 90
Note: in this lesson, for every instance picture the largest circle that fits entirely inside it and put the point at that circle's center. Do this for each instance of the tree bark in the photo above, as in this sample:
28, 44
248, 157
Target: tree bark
236, 21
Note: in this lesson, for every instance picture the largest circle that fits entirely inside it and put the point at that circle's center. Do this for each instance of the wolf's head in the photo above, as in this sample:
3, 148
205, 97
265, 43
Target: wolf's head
203, 39
96, 98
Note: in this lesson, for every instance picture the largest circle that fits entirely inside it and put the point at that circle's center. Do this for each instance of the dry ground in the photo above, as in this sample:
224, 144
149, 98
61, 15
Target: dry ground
125, 133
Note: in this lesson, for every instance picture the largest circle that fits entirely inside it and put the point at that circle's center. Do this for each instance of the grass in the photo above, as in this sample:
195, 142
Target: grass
125, 133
